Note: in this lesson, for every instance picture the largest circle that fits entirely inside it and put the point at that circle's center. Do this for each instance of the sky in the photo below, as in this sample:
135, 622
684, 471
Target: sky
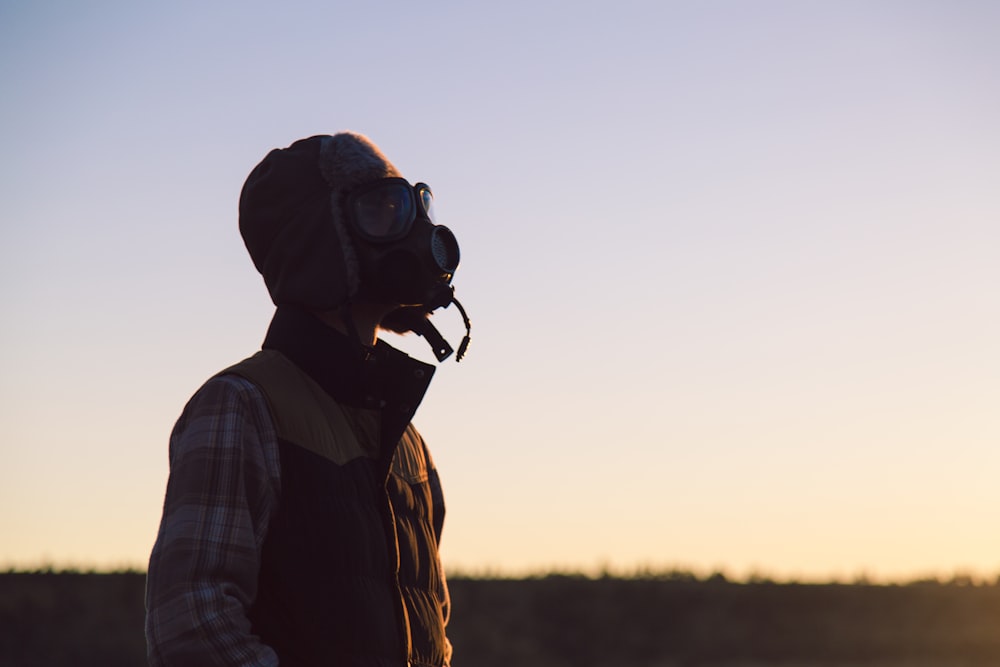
731, 267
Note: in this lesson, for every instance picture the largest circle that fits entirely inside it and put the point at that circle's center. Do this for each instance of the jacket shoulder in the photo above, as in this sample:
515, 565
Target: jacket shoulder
303, 414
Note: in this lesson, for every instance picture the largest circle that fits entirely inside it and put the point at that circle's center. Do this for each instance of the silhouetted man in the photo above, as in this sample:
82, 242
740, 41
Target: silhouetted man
303, 511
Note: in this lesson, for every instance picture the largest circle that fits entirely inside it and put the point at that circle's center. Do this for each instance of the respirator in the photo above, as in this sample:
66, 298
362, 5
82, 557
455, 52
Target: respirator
405, 257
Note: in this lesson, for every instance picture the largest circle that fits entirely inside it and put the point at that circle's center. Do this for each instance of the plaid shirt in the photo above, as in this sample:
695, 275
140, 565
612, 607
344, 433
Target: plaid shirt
223, 486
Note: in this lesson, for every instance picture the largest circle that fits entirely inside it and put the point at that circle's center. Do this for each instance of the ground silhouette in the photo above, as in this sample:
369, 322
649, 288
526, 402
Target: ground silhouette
670, 620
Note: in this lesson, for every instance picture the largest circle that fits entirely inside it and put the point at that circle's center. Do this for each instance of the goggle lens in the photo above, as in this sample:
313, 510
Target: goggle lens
385, 213
426, 201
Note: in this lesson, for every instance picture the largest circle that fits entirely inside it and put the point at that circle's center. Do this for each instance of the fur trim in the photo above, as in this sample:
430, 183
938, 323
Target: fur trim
346, 161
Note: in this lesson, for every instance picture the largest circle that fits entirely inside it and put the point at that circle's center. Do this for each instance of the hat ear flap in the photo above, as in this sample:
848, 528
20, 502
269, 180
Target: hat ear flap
285, 220
294, 221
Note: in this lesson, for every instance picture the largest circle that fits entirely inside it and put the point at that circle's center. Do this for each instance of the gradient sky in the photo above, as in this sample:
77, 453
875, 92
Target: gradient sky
732, 267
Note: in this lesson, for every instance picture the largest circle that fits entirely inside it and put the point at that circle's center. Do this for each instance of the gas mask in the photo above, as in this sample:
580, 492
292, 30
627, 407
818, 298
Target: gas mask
405, 257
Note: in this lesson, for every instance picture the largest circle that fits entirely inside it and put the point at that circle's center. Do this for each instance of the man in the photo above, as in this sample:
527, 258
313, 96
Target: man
303, 511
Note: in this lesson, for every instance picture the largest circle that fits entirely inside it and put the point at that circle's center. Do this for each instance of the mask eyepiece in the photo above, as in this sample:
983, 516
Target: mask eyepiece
385, 210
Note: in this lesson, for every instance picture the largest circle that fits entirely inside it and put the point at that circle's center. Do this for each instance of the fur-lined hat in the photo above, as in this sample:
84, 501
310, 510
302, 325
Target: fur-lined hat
293, 217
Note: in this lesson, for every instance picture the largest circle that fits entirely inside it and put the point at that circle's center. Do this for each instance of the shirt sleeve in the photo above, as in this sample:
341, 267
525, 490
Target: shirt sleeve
222, 489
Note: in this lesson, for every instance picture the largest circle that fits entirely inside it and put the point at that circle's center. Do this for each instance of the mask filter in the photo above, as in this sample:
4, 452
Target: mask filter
410, 271
444, 249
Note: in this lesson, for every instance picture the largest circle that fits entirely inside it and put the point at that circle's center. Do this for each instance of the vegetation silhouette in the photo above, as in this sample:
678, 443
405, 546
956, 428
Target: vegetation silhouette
669, 618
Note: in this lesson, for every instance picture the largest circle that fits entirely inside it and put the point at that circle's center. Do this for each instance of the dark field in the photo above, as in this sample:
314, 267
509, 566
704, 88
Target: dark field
56, 619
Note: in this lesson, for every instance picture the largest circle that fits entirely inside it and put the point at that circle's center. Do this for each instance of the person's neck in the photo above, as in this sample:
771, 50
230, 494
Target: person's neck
364, 316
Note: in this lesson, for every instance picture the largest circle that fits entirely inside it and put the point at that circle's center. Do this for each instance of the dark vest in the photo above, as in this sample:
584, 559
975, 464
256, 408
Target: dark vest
350, 574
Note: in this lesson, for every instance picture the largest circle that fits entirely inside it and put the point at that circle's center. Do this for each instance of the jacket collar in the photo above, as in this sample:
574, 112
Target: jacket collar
381, 377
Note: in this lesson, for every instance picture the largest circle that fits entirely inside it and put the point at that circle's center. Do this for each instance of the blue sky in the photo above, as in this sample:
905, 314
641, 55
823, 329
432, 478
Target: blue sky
731, 266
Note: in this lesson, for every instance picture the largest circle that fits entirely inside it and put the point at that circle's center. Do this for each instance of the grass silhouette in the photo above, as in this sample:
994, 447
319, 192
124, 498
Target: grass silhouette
651, 619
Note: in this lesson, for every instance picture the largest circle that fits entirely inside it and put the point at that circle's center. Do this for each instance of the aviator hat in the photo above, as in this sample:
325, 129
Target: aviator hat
293, 217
